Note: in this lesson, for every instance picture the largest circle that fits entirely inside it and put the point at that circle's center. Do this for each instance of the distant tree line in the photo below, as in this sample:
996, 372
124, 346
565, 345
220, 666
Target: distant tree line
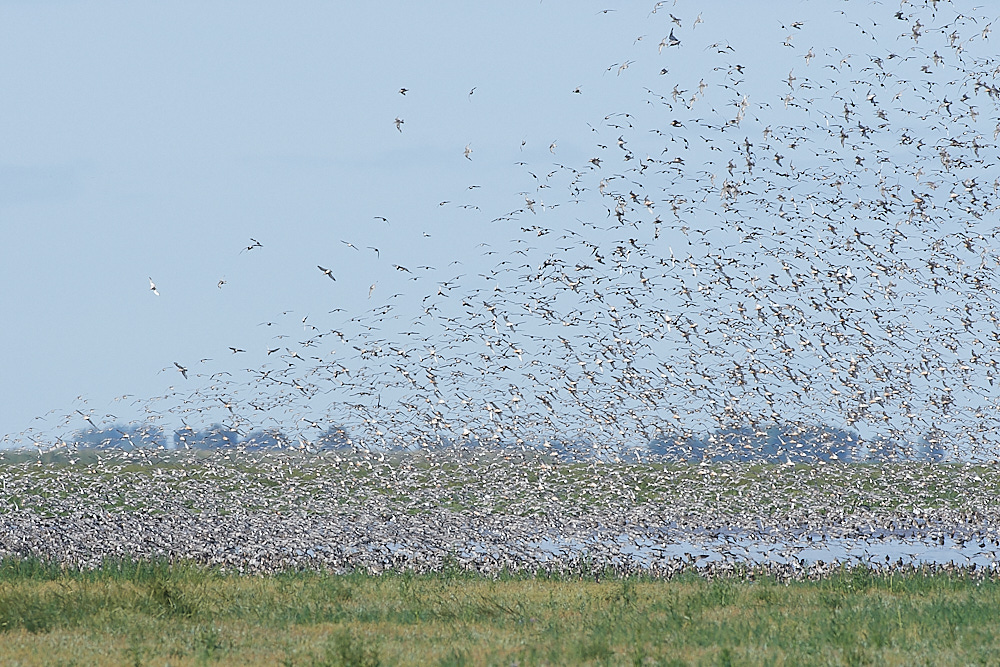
792, 443
215, 436
786, 443
120, 436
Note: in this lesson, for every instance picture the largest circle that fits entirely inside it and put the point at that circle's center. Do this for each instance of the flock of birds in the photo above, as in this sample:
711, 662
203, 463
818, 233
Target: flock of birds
824, 256
267, 512
818, 249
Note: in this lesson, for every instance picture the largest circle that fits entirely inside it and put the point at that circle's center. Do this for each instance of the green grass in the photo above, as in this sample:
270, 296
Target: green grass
136, 613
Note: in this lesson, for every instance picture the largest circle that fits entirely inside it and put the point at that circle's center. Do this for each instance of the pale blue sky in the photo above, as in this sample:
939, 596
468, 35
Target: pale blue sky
155, 140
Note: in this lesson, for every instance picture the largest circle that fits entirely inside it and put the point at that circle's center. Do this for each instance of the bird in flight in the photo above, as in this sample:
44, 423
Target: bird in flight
87, 417
182, 369
326, 272
403, 91
255, 244
152, 287
399, 123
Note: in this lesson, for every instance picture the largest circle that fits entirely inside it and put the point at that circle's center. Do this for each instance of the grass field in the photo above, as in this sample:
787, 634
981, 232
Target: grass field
135, 613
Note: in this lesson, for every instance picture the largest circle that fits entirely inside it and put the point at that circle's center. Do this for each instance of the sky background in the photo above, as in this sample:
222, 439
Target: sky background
156, 140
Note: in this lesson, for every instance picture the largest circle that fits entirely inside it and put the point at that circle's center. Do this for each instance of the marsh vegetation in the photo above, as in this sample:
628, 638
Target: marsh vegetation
131, 612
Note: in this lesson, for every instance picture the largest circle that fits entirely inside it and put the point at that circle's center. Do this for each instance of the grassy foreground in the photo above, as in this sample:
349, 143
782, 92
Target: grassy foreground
139, 613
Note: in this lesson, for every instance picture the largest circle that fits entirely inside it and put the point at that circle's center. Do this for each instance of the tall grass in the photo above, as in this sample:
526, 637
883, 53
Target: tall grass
129, 612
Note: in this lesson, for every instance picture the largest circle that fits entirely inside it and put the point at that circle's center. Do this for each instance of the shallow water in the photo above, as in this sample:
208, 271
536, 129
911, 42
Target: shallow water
753, 549
868, 551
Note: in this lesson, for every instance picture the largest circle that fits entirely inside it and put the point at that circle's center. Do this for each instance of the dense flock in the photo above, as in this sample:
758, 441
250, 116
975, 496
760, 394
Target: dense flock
816, 250
502, 513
